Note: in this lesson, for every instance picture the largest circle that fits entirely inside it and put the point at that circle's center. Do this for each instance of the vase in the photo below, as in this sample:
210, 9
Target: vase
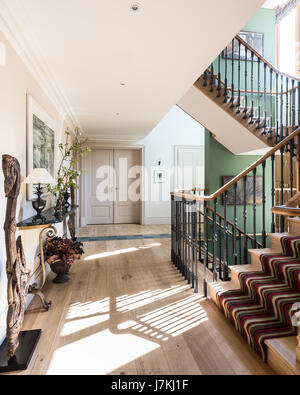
58, 207
60, 268
66, 203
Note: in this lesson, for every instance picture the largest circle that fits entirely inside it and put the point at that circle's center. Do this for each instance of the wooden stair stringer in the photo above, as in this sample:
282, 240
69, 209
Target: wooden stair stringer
199, 84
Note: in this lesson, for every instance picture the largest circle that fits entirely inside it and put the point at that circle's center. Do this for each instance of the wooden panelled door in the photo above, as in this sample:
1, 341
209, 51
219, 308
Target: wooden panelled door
127, 176
112, 180
100, 187
189, 162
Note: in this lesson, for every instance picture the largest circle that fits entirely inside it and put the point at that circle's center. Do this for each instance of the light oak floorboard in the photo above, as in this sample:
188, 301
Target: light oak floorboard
127, 310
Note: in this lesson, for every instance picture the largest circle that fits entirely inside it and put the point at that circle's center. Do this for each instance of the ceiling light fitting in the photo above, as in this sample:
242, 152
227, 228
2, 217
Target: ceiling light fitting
135, 7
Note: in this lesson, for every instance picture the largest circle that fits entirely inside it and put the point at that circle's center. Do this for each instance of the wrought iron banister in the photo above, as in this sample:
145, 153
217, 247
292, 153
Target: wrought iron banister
245, 172
218, 230
268, 98
258, 55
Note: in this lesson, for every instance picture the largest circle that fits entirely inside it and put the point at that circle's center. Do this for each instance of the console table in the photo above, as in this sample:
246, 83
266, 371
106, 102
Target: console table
48, 229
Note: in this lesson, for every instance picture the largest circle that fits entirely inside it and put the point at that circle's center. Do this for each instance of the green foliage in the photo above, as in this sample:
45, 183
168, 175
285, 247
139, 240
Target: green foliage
71, 150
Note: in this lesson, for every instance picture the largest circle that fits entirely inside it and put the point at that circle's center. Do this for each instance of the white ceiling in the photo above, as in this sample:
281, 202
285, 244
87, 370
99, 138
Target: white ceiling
91, 47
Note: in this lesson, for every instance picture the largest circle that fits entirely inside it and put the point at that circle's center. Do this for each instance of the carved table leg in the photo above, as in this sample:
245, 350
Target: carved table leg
50, 232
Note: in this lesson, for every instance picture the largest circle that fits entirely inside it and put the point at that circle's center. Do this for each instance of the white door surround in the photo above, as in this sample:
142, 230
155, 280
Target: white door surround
189, 165
84, 193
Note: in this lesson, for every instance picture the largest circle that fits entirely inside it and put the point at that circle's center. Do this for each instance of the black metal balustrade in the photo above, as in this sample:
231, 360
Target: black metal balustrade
218, 230
273, 101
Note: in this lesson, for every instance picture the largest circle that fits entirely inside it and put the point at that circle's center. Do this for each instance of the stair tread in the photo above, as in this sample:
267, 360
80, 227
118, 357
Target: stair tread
294, 219
261, 251
244, 268
280, 235
285, 348
223, 286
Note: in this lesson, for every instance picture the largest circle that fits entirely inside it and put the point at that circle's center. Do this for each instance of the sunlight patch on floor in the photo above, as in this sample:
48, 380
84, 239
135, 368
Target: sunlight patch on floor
79, 310
118, 252
136, 301
110, 253
176, 318
99, 353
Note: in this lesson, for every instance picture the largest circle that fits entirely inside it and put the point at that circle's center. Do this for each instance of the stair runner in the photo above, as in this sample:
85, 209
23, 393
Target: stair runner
262, 308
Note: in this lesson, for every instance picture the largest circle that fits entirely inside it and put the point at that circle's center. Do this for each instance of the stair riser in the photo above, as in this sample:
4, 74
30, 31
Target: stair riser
294, 228
255, 261
278, 364
213, 295
275, 243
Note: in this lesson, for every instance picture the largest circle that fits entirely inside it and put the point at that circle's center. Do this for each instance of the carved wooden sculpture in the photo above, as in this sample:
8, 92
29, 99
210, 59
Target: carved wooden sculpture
71, 222
17, 274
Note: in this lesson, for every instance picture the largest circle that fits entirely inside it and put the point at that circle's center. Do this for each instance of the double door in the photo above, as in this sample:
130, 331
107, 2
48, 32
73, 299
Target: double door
113, 186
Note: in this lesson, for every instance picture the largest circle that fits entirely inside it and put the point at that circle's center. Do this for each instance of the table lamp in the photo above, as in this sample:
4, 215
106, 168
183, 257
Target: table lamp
39, 177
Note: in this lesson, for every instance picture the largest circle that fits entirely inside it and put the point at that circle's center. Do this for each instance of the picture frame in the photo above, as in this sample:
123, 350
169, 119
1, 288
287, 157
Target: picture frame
254, 39
159, 176
240, 191
41, 141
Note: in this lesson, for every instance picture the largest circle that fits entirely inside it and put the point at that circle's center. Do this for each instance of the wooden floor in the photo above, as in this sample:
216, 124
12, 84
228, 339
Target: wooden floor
126, 310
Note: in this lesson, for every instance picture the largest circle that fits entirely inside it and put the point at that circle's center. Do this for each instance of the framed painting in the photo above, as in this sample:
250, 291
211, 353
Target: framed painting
254, 39
159, 176
240, 191
41, 141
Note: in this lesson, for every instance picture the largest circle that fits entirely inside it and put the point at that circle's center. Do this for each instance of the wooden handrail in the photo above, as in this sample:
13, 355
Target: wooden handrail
250, 92
241, 175
289, 208
265, 61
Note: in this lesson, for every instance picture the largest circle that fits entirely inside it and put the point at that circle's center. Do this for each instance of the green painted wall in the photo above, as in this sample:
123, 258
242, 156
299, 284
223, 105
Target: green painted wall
219, 162
263, 22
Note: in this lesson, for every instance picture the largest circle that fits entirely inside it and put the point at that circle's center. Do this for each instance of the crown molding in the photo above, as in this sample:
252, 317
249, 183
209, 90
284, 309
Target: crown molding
22, 43
285, 10
115, 139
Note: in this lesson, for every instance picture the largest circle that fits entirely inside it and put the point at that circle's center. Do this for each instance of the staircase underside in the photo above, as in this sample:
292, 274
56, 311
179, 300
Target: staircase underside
230, 129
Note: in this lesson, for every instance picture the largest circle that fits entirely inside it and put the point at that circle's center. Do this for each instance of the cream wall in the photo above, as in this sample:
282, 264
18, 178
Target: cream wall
176, 129
16, 82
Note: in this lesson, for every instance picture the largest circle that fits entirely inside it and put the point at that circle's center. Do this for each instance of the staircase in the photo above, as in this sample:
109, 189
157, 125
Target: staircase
226, 236
280, 351
234, 97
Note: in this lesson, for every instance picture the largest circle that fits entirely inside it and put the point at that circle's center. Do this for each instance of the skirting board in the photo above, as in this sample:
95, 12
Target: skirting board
156, 221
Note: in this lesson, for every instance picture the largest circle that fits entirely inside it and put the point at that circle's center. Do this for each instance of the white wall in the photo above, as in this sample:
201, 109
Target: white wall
176, 128
16, 81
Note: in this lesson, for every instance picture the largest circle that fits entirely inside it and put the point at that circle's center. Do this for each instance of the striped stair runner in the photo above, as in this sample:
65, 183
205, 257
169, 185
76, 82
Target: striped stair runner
261, 308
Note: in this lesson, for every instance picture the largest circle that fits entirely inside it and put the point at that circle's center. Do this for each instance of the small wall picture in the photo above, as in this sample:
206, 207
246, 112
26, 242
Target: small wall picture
41, 140
240, 191
254, 39
159, 176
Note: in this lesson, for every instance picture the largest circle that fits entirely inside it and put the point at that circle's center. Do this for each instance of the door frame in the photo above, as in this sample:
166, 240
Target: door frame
176, 147
97, 145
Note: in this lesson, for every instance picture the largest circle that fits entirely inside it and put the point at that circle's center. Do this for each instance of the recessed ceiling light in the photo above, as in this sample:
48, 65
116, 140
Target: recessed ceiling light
117, 113
135, 7
123, 84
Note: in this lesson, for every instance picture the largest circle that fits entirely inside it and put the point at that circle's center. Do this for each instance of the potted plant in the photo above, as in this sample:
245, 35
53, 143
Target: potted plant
71, 150
60, 255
